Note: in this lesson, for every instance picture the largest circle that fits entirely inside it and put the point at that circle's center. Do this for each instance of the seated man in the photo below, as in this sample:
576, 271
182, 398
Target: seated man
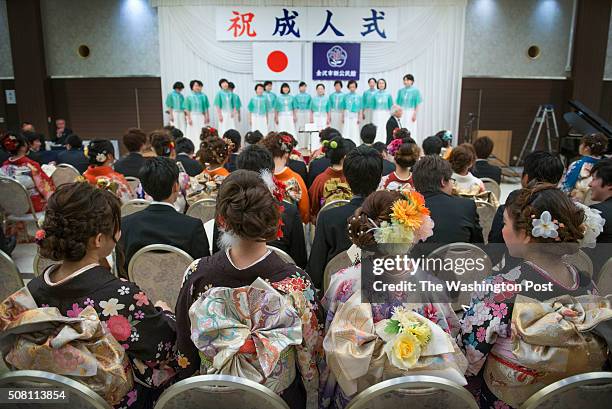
432, 145
36, 143
455, 218
184, 154
257, 159
601, 191
363, 170
482, 168
73, 155
160, 223
135, 141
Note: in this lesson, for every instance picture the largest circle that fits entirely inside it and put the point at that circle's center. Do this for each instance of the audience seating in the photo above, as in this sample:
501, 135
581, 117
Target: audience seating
203, 209
10, 279
63, 174
492, 186
133, 206
78, 395
332, 204
282, 254
337, 263
16, 201
40, 264
158, 269
220, 392
415, 391
486, 212
604, 282
588, 390
581, 261
134, 182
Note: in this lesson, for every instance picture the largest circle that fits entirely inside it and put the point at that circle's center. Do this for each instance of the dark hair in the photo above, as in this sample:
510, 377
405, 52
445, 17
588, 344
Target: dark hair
174, 132
134, 139
326, 134
208, 131
12, 142
74, 141
352, 82
193, 82
257, 86
266, 83
320, 85
335, 149
278, 145
368, 133
158, 176
531, 202
285, 85
231, 85
253, 137
234, 136
162, 142
462, 157
380, 147
184, 145
543, 167
483, 147
403, 133
603, 170
383, 80
246, 207
287, 134
178, 85
407, 154
302, 83
597, 142
32, 136
213, 150
376, 208
372, 79
444, 137
429, 171
409, 77
432, 145
222, 80
98, 151
75, 213
255, 158
362, 169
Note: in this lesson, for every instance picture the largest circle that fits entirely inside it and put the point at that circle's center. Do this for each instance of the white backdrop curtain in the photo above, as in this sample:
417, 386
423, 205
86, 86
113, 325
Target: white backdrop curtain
429, 45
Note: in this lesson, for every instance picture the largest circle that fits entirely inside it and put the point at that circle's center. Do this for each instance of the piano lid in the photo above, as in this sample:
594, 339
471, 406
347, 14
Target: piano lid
586, 121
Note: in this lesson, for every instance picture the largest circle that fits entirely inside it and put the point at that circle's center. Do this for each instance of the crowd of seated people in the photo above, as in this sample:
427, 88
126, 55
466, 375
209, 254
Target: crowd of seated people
265, 195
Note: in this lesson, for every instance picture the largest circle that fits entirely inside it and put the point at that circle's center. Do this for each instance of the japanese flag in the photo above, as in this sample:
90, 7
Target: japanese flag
277, 61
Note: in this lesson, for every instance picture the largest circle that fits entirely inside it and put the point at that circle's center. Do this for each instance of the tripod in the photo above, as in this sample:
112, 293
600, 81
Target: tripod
545, 114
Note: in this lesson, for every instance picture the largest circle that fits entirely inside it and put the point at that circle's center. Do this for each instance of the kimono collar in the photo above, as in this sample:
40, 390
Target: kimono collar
100, 170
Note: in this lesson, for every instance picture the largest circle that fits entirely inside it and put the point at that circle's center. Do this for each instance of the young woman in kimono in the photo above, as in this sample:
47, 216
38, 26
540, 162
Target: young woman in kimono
576, 180
101, 154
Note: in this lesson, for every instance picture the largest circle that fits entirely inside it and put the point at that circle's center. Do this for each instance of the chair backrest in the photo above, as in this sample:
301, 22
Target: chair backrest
591, 390
220, 392
15, 198
77, 395
41, 263
486, 213
492, 186
604, 281
63, 174
203, 209
581, 261
284, 256
133, 182
463, 251
158, 270
10, 277
337, 263
414, 391
133, 206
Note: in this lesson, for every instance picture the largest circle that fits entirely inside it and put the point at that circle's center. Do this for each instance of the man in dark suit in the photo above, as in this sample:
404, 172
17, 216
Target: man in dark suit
362, 169
601, 191
482, 168
134, 140
394, 122
61, 132
455, 218
73, 155
160, 223
368, 135
184, 154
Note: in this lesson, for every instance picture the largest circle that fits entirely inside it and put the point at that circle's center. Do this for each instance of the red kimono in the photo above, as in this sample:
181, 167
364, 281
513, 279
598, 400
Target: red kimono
30, 174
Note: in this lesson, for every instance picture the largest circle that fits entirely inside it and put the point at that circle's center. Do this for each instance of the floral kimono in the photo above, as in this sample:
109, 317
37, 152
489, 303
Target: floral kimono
575, 181
106, 178
30, 174
145, 332
519, 344
270, 347
295, 192
343, 375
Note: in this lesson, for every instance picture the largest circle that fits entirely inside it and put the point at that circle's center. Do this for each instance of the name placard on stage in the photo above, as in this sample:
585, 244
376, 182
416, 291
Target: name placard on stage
359, 24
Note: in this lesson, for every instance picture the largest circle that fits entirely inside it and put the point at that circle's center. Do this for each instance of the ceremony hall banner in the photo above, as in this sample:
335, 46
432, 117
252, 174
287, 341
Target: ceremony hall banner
306, 24
336, 61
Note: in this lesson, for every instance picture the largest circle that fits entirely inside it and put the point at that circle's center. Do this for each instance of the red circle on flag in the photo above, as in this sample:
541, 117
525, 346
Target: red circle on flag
277, 61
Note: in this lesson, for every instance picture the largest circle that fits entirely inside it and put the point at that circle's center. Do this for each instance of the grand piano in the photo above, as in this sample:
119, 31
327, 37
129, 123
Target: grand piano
582, 121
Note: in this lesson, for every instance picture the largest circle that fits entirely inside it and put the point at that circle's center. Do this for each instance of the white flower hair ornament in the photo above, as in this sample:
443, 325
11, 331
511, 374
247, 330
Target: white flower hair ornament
545, 226
101, 158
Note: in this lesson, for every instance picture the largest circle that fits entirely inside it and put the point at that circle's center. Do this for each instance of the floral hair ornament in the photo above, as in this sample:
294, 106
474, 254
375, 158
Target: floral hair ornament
545, 226
329, 145
277, 189
40, 236
447, 136
101, 157
592, 226
394, 146
10, 143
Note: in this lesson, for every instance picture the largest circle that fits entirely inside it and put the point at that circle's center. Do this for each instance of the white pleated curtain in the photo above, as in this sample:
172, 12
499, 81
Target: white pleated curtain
429, 45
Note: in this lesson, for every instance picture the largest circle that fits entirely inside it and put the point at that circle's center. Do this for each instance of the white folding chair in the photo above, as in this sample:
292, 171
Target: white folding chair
203, 209
158, 270
282, 254
16, 202
492, 186
581, 261
604, 282
78, 396
133, 206
63, 174
219, 392
486, 212
133, 182
10, 277
592, 390
415, 391
40, 264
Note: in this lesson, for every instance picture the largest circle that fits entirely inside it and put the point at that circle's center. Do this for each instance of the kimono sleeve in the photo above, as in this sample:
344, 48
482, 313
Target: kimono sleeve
188, 358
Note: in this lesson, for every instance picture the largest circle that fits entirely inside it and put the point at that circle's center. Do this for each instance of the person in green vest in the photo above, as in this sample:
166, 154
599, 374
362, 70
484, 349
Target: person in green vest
367, 102
319, 108
409, 98
196, 110
271, 98
335, 106
175, 103
302, 103
285, 115
224, 104
383, 101
258, 110
237, 101
351, 104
